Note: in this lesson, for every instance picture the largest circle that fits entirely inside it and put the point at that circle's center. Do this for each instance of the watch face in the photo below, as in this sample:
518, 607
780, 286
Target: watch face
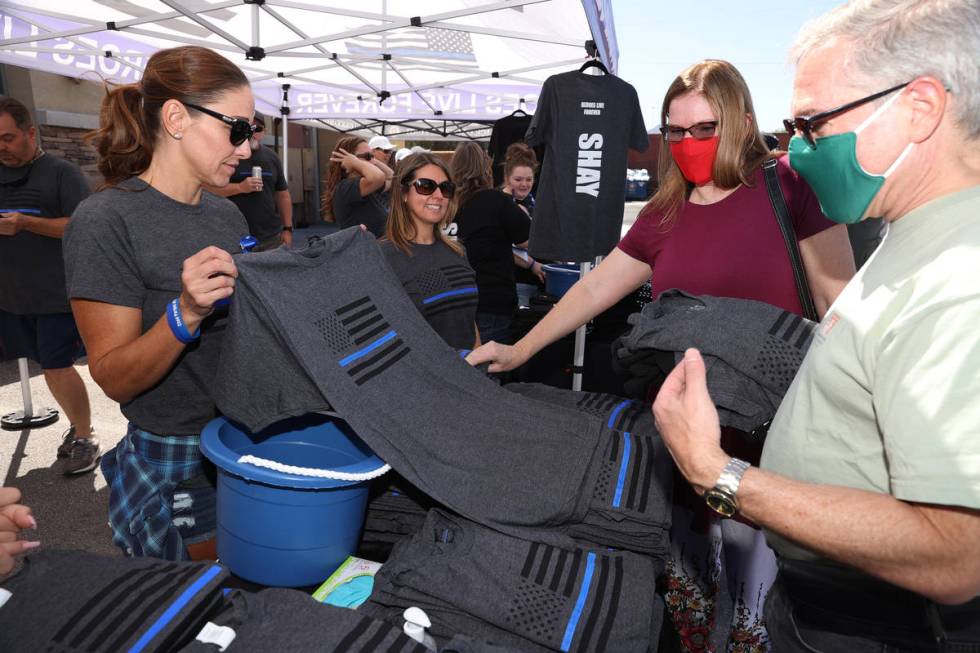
720, 502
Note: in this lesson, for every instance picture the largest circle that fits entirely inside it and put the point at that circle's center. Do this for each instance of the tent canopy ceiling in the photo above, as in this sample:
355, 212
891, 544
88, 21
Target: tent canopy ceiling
350, 65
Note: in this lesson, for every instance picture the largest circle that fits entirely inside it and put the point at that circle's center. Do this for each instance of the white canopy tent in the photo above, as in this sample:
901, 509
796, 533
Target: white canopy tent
372, 65
376, 66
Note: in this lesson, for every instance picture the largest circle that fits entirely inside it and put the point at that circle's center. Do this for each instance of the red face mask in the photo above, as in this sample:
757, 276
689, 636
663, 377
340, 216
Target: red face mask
695, 158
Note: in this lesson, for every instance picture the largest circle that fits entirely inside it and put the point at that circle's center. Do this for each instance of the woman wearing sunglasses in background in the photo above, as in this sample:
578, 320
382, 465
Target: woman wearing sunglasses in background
356, 187
431, 267
490, 224
148, 261
709, 229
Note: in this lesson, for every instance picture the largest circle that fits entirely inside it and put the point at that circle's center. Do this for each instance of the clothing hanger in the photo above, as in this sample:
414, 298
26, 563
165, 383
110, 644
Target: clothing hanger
594, 63
520, 109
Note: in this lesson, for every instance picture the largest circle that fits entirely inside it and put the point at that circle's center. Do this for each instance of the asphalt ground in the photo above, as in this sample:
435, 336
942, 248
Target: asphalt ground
71, 511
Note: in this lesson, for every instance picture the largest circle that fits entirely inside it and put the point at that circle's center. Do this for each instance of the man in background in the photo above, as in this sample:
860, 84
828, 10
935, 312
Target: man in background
38, 193
264, 199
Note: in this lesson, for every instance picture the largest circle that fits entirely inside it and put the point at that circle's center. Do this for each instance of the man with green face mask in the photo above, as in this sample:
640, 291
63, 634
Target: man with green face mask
869, 484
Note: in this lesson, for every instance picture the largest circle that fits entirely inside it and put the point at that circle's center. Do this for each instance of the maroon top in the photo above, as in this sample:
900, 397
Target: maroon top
732, 248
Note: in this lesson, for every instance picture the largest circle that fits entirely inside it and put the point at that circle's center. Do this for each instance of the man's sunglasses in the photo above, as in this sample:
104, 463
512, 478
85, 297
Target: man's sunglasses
701, 131
241, 130
426, 187
804, 125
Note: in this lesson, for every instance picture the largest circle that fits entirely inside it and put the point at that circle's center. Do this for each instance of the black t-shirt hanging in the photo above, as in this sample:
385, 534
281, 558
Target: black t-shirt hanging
507, 131
587, 122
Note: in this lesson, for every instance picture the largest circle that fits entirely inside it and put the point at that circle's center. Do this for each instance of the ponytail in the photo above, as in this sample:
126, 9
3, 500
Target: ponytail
130, 117
124, 141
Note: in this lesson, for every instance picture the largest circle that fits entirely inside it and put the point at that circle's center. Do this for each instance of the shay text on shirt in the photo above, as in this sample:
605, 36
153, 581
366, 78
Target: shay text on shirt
589, 164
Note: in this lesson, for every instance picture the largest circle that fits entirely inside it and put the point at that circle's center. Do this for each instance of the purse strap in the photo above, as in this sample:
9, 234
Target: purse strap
789, 236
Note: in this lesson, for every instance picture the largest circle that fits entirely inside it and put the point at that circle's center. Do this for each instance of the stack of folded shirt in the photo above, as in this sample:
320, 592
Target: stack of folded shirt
751, 350
395, 510
520, 593
291, 621
630, 506
75, 601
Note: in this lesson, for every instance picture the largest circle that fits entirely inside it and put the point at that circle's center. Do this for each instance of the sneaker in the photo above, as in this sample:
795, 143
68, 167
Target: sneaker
84, 456
67, 442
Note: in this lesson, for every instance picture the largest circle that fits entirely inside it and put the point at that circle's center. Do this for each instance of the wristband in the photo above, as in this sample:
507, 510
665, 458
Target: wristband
175, 320
287, 227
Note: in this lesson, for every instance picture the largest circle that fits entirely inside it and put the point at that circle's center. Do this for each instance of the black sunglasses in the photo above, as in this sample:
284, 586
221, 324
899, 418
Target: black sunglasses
241, 130
426, 187
701, 131
806, 124
366, 156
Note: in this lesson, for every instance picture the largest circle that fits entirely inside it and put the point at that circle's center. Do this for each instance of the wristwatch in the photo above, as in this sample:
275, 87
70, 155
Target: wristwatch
287, 227
721, 498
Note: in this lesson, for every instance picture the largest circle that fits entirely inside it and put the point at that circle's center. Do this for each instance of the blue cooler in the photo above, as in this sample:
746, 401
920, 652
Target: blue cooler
284, 529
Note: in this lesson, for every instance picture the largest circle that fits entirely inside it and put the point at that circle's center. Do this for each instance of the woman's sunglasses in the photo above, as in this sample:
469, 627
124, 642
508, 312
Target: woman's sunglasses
426, 187
701, 131
804, 125
366, 156
241, 130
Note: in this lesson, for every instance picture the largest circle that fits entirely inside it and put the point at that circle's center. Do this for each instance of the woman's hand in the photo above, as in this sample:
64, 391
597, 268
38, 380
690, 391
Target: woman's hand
13, 519
346, 160
538, 270
207, 277
502, 358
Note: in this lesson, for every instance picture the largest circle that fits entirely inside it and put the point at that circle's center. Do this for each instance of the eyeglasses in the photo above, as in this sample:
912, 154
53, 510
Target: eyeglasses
701, 131
805, 125
426, 187
367, 156
241, 130
258, 128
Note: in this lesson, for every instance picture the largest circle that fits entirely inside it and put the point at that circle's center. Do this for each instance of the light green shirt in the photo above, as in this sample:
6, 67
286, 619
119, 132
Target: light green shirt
888, 396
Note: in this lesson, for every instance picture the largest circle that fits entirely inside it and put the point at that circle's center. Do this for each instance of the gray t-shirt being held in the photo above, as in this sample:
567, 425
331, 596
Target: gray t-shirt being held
443, 286
126, 246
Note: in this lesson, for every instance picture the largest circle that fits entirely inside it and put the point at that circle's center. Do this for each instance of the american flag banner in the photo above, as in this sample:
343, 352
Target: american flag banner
448, 46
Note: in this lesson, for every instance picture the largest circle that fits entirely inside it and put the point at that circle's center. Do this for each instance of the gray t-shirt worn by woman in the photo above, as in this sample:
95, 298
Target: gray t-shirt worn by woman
126, 246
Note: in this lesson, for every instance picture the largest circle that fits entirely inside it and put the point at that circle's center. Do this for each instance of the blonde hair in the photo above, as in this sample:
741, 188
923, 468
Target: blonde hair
741, 148
400, 228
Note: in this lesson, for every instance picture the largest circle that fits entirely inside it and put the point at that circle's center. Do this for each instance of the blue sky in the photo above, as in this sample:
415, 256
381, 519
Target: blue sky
657, 40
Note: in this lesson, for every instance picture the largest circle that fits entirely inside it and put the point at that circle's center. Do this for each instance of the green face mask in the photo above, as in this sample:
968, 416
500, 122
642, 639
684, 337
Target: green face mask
843, 188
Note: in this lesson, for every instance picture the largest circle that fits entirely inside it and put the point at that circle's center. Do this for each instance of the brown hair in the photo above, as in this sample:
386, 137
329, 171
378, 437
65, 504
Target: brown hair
519, 154
335, 172
471, 171
400, 229
130, 118
18, 112
741, 149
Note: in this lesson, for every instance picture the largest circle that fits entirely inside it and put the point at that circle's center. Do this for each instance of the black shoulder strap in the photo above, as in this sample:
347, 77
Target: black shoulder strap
789, 235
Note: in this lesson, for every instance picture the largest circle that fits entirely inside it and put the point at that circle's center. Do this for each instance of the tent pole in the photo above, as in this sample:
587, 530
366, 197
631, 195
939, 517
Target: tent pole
578, 362
285, 131
255, 25
27, 419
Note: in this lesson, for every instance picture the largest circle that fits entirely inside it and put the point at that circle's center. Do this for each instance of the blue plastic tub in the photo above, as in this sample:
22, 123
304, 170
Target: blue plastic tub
281, 529
559, 277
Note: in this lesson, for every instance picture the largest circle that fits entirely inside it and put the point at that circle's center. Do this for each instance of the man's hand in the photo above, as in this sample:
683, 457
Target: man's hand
250, 185
11, 223
13, 518
287, 238
688, 422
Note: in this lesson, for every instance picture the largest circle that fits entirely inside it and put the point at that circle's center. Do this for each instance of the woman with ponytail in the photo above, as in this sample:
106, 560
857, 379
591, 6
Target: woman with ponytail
148, 263
356, 185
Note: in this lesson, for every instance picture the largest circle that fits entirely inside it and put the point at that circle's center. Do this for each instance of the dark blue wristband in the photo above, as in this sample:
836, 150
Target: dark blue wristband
176, 322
